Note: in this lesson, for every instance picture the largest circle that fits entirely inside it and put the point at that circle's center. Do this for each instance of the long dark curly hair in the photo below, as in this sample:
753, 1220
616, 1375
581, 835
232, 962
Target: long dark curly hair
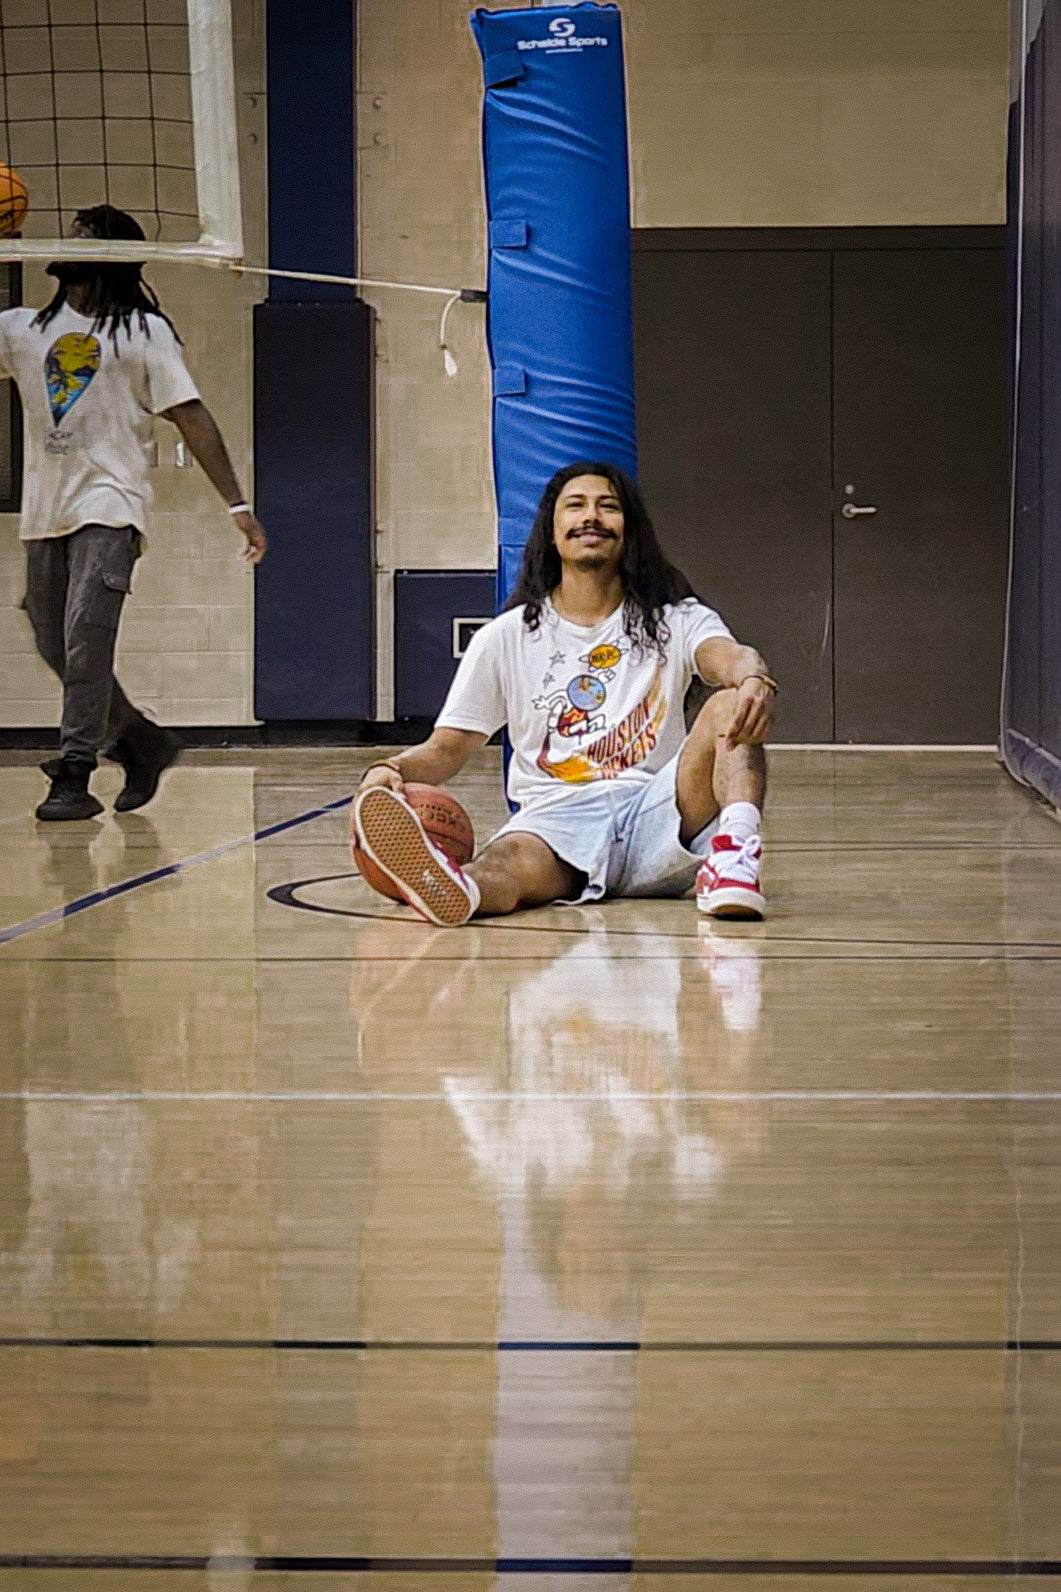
115, 292
649, 580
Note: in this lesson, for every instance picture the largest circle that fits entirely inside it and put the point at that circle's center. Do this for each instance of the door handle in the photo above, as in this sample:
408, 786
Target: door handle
853, 511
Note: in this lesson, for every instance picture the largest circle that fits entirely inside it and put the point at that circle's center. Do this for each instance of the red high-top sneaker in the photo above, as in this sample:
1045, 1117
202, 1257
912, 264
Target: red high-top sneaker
727, 885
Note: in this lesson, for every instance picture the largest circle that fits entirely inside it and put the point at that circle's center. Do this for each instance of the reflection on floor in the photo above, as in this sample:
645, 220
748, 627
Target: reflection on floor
593, 1248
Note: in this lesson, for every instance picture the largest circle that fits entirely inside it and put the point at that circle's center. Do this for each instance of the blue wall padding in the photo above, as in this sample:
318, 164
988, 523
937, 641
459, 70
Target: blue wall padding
311, 128
314, 654
426, 604
557, 198
1031, 710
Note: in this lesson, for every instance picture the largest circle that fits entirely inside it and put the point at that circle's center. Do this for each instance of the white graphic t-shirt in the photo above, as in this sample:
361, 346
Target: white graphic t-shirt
87, 409
580, 704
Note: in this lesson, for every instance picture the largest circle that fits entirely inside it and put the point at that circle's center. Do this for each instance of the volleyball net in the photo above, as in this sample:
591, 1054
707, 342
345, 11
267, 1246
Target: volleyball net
125, 102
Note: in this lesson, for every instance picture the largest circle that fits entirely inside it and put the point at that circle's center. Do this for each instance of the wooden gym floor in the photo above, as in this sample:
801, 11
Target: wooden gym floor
591, 1250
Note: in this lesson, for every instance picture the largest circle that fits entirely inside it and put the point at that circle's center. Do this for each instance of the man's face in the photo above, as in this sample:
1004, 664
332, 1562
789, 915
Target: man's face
588, 524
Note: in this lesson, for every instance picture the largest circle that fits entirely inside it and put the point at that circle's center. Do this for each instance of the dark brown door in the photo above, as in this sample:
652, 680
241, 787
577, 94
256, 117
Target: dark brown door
919, 429
732, 353
771, 376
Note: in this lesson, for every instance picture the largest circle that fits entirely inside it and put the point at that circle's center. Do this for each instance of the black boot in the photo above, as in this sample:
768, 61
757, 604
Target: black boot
69, 796
144, 753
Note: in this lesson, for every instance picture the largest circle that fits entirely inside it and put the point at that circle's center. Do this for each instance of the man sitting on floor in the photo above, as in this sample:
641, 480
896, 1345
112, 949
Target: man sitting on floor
588, 666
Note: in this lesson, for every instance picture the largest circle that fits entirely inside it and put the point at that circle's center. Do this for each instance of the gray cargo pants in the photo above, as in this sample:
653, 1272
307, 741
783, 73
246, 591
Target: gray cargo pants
75, 587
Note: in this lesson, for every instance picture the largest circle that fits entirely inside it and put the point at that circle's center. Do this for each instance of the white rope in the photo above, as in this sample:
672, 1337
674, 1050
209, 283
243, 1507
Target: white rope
447, 356
344, 281
452, 295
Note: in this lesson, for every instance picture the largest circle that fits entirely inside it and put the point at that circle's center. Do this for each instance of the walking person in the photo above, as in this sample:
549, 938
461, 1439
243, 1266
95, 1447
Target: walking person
93, 368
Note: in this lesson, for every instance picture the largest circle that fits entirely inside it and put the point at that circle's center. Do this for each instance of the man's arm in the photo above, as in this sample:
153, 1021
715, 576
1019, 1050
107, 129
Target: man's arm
721, 661
435, 761
199, 429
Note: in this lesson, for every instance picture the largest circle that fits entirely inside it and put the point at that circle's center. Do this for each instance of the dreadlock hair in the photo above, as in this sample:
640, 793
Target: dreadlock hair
649, 580
115, 292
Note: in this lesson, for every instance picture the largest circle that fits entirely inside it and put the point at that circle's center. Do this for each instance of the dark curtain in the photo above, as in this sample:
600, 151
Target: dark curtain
1031, 706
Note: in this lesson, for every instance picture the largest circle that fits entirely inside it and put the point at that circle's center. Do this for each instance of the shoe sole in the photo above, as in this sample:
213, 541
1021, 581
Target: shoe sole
92, 809
731, 902
392, 837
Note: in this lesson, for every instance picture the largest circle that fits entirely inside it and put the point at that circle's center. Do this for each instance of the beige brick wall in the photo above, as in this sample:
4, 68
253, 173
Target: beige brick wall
742, 113
186, 643
421, 219
799, 113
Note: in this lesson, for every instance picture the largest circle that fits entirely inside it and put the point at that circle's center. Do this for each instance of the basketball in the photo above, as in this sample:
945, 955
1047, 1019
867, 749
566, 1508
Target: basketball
14, 201
445, 823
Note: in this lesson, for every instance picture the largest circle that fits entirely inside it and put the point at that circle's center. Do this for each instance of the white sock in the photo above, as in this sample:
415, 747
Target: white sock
741, 820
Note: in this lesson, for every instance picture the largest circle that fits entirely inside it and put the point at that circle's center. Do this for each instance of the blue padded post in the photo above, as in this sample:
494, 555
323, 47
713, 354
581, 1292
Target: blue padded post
557, 197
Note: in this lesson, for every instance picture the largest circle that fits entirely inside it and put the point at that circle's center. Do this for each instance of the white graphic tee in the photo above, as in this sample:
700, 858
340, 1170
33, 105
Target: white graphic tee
581, 704
87, 408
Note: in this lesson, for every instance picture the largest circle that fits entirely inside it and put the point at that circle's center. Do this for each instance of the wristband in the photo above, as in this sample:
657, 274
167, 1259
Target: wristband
765, 678
239, 508
385, 762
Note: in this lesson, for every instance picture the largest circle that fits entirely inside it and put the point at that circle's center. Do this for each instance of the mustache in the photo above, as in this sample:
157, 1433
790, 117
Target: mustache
595, 526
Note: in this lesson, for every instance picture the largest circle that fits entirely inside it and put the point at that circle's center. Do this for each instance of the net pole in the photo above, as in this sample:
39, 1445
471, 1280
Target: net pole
212, 72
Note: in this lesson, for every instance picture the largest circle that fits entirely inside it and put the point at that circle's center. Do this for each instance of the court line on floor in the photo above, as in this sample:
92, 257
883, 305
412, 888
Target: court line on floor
537, 1097
544, 1345
286, 895
44, 920
798, 847
998, 954
528, 1565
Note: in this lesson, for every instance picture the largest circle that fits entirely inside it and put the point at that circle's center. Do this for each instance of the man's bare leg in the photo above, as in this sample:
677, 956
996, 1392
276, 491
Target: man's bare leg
515, 870
520, 870
713, 774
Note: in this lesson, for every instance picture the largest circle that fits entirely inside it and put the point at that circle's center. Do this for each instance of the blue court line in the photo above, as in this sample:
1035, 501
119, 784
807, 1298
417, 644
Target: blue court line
44, 920
552, 1346
380, 1564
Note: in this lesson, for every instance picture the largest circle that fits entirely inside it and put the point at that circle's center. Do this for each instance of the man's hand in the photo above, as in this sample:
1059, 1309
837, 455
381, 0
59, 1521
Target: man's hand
199, 429
254, 531
433, 762
753, 717
382, 774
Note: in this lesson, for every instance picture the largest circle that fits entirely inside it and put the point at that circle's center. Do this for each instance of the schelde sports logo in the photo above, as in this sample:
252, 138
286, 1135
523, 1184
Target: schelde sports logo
563, 37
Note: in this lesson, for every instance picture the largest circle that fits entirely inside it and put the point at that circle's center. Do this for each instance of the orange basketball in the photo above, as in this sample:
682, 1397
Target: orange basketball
445, 822
14, 201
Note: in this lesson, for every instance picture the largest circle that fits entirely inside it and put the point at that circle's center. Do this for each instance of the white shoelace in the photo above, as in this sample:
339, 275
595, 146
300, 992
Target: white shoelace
742, 865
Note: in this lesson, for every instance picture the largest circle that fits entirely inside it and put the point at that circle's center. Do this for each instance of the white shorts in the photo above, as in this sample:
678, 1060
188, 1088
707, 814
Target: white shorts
623, 838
